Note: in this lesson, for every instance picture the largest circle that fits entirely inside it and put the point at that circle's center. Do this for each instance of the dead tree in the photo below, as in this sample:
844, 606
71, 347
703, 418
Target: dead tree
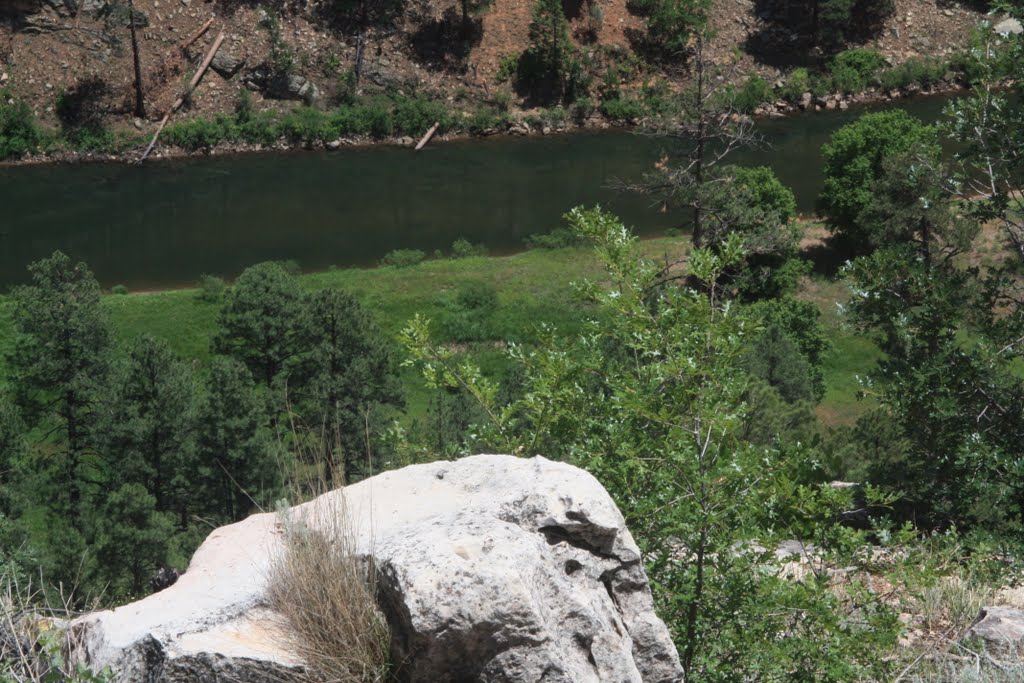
706, 132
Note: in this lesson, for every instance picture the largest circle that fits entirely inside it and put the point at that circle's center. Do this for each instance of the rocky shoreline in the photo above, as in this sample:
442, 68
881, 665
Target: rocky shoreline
519, 128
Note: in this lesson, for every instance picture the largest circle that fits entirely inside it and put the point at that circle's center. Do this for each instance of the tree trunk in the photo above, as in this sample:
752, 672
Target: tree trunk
140, 102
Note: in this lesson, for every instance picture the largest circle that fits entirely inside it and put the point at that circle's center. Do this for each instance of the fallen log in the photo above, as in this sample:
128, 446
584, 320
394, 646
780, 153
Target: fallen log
197, 35
426, 137
181, 100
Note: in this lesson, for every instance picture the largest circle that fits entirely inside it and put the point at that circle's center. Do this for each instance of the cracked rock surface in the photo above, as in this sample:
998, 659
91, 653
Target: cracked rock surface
491, 568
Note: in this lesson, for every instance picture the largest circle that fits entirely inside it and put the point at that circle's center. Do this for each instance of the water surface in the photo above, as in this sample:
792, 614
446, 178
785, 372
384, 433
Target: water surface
167, 222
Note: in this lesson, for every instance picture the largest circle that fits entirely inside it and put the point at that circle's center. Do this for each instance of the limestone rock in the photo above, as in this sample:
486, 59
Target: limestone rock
1002, 626
490, 568
1008, 27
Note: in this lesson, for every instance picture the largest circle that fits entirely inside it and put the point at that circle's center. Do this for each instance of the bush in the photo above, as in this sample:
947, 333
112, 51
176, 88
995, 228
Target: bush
853, 70
853, 161
767, 191
754, 92
924, 72
211, 289
797, 83
19, 134
403, 258
463, 248
622, 109
415, 115
468, 318
201, 133
119, 290
559, 238
307, 125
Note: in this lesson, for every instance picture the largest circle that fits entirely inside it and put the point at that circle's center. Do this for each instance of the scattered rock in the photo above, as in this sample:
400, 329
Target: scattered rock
225, 64
333, 145
490, 568
806, 100
999, 626
1008, 27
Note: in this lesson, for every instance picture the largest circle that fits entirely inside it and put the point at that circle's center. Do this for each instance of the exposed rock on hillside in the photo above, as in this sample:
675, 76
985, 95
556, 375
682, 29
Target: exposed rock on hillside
491, 568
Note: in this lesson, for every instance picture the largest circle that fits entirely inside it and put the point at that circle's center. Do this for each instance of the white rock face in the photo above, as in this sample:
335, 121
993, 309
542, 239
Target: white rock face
491, 568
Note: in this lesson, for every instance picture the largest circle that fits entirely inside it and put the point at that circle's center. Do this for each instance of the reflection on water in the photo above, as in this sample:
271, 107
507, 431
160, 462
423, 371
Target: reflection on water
167, 222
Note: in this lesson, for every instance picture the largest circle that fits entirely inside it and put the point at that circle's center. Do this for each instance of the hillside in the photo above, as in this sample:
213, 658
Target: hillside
48, 48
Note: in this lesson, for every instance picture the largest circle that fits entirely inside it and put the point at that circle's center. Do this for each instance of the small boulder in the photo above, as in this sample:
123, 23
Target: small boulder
1008, 27
1001, 626
227, 65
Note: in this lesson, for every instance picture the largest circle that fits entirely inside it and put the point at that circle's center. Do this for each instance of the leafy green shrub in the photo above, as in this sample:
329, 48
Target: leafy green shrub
797, 83
508, 67
19, 134
484, 120
415, 115
582, 108
260, 129
211, 289
767, 191
463, 248
307, 125
658, 98
120, 290
924, 72
201, 133
622, 109
559, 238
754, 92
469, 317
403, 258
853, 70
853, 161
243, 106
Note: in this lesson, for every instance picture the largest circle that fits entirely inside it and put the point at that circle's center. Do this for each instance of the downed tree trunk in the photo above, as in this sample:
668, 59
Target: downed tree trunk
197, 35
181, 100
426, 137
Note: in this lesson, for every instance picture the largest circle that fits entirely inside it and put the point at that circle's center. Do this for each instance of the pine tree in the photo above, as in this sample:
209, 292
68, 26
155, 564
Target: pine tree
261, 321
59, 363
237, 461
147, 434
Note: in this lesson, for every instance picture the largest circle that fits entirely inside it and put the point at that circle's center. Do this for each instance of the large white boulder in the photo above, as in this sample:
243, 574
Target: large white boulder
491, 568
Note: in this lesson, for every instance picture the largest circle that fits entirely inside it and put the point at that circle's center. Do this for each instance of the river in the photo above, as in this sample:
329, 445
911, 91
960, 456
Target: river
165, 223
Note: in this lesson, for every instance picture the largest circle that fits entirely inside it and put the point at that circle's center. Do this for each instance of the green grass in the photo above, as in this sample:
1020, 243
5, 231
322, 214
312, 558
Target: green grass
534, 288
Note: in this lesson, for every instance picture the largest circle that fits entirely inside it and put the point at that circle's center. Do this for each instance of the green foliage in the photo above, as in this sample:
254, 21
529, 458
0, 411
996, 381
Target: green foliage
132, 540
196, 134
754, 92
237, 464
261, 321
924, 72
348, 373
671, 24
865, 63
623, 109
211, 289
59, 365
797, 83
559, 238
854, 158
463, 248
469, 317
546, 64
403, 258
19, 133
650, 399
146, 430
767, 191
119, 290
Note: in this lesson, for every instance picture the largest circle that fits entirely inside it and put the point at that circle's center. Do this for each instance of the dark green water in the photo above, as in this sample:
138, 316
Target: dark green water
165, 223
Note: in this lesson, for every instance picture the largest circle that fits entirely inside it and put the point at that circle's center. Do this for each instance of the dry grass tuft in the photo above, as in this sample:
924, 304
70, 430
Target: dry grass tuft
327, 596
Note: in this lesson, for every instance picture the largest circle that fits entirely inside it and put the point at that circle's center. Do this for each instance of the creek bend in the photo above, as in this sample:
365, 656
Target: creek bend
165, 223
